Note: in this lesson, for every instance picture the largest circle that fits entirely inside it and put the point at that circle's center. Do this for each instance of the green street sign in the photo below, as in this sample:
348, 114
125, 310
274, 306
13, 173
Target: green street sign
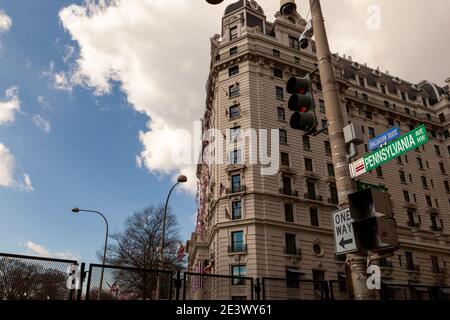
364, 185
402, 145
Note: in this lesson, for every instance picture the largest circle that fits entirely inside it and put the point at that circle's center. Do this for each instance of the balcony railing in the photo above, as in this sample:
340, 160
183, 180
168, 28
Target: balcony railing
439, 270
314, 197
288, 192
413, 224
237, 247
293, 251
413, 267
236, 189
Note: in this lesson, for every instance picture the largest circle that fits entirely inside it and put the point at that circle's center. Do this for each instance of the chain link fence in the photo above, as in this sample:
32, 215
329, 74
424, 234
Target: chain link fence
34, 278
126, 283
202, 286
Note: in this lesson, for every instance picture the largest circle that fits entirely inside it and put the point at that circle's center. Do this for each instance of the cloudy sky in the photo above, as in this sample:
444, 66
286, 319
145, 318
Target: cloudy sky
95, 97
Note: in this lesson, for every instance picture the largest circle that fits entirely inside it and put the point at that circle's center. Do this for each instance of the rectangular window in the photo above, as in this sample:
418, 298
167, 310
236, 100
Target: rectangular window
238, 271
283, 136
289, 212
281, 114
235, 133
406, 196
442, 168
447, 186
365, 97
386, 104
235, 157
324, 123
308, 165
429, 202
403, 97
236, 206
379, 172
407, 111
233, 91
446, 134
424, 182
424, 101
318, 279
314, 217
236, 183
441, 117
330, 169
279, 93
311, 187
399, 160
371, 132
322, 105
233, 71
235, 111
287, 187
333, 193
233, 33
291, 246
284, 159
402, 176
438, 150
435, 264
237, 241
233, 50
433, 133
361, 82
276, 52
342, 283
306, 143
412, 218
292, 278
420, 163
278, 73
448, 150
294, 43
327, 148
382, 89
409, 260
297, 59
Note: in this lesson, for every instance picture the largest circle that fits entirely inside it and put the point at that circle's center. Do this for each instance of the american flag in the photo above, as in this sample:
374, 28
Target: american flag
181, 250
227, 214
197, 281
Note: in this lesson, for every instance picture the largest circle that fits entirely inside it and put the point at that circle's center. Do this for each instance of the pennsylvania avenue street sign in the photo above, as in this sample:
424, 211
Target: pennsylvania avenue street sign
384, 138
393, 150
344, 237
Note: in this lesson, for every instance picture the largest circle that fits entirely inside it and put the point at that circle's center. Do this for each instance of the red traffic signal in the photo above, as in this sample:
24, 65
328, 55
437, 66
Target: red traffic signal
302, 103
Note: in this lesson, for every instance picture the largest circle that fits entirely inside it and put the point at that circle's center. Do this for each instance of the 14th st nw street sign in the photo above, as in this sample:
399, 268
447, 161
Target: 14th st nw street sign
402, 145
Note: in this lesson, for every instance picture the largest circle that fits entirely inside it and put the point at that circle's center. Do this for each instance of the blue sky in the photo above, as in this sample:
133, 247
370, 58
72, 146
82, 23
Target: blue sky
92, 96
88, 157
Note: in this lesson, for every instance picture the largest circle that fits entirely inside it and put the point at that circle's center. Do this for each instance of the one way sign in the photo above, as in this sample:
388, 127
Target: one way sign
344, 237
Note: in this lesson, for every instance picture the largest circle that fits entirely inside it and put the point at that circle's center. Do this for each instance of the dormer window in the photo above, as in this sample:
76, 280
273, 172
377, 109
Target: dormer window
233, 33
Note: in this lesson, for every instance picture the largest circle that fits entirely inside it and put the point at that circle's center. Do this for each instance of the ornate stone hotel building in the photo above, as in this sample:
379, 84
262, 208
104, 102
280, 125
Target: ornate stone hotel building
280, 225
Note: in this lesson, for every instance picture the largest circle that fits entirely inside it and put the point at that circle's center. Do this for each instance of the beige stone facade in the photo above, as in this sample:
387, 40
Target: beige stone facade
283, 227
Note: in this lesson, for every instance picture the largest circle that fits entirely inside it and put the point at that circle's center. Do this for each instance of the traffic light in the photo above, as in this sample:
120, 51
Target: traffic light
373, 224
302, 103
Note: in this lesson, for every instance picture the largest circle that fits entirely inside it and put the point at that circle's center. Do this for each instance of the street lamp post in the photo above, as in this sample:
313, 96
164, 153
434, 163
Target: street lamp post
76, 210
180, 179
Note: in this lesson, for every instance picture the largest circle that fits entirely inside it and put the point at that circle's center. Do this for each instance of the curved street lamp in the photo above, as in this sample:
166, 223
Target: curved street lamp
180, 179
77, 210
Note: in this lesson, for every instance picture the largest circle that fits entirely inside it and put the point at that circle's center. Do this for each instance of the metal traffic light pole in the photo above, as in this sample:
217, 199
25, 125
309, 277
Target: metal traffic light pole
355, 264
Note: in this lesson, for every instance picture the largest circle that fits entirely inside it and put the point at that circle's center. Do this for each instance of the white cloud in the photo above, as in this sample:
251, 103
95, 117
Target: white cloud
158, 52
59, 80
8, 172
9, 106
45, 105
5, 22
41, 123
42, 251
68, 53
7, 165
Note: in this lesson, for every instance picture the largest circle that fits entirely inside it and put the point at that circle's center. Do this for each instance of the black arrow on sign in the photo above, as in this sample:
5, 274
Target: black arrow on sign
344, 242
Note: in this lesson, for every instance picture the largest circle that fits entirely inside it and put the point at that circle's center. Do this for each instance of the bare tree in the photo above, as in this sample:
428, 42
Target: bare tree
138, 246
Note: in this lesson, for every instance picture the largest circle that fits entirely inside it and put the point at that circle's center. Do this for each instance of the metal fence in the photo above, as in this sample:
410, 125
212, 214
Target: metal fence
34, 278
127, 283
294, 289
201, 286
